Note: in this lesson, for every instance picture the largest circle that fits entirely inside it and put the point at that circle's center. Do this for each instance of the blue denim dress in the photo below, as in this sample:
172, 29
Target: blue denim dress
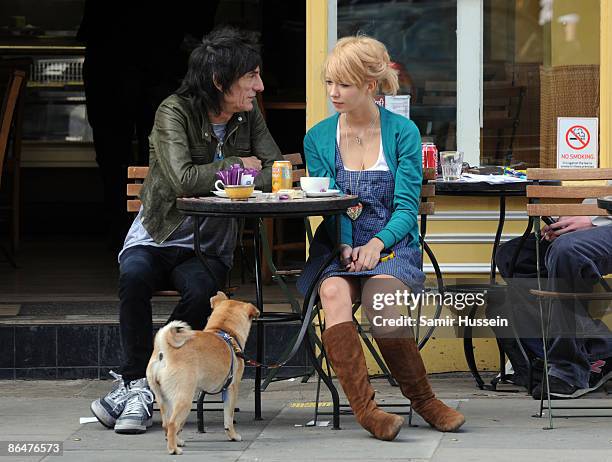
375, 190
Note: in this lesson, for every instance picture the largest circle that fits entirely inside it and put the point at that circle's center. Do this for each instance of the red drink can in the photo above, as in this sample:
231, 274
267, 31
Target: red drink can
430, 155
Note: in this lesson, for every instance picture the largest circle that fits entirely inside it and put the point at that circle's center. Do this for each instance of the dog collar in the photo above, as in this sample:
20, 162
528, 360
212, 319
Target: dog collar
231, 341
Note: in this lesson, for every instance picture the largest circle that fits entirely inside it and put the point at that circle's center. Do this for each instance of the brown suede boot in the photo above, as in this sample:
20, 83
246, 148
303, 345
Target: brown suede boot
344, 351
405, 363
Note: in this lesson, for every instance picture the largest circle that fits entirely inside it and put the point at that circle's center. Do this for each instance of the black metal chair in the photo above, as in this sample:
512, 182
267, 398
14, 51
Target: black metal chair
548, 201
312, 301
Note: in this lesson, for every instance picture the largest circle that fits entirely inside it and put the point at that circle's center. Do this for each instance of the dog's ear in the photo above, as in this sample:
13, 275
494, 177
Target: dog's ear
217, 298
253, 311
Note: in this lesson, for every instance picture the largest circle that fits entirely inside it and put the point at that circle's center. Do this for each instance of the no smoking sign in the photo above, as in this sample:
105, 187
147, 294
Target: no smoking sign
577, 142
577, 137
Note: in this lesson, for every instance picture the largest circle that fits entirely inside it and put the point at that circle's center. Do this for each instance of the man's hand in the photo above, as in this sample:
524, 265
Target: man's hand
367, 257
565, 225
251, 162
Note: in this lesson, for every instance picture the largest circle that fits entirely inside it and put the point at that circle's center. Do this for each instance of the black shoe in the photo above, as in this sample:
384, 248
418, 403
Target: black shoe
601, 372
559, 389
516, 379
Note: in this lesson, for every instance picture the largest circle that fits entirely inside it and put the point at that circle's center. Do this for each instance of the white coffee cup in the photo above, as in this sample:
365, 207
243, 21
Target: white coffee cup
314, 183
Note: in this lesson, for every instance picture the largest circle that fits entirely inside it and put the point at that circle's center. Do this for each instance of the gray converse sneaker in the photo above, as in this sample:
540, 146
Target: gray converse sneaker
138, 412
108, 409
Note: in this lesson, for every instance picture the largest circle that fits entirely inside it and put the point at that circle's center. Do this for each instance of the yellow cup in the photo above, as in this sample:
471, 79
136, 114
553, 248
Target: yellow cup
239, 191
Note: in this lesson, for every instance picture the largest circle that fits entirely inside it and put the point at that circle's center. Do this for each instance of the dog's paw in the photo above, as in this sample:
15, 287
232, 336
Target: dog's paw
232, 435
178, 451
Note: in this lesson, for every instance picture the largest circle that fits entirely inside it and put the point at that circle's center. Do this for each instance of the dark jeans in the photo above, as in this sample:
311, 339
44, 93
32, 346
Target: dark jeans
574, 262
144, 269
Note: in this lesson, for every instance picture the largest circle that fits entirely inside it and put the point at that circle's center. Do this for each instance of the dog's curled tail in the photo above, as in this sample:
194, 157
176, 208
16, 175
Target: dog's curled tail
176, 333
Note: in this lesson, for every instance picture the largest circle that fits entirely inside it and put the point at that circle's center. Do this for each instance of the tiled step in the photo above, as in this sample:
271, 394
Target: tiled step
81, 339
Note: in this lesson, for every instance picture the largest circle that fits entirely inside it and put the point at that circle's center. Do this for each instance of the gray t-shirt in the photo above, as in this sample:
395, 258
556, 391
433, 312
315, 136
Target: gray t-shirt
217, 235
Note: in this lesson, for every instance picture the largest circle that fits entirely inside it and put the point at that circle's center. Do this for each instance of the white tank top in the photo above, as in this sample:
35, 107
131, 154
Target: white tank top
379, 165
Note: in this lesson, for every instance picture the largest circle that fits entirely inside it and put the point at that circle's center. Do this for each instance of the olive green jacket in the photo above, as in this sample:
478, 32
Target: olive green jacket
181, 159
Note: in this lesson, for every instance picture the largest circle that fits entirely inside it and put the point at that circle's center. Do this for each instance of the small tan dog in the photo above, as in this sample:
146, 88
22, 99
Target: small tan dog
185, 361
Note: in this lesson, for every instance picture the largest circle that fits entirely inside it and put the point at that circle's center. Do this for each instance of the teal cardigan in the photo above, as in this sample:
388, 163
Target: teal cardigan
402, 147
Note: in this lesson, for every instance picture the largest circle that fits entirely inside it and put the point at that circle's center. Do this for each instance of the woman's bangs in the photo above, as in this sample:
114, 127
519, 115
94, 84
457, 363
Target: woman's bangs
339, 71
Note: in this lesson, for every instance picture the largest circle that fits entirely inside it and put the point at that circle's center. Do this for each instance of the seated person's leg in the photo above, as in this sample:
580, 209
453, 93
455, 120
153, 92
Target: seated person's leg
400, 351
196, 285
141, 272
343, 349
337, 296
128, 407
576, 261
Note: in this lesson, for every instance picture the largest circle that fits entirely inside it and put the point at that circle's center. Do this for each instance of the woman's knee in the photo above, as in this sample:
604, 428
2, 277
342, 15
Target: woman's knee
336, 301
334, 292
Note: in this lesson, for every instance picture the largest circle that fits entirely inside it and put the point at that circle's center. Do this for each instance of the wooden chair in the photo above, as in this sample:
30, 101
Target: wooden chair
565, 200
136, 176
426, 208
10, 124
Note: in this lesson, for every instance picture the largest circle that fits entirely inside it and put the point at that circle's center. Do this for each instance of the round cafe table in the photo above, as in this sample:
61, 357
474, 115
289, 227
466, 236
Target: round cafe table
267, 206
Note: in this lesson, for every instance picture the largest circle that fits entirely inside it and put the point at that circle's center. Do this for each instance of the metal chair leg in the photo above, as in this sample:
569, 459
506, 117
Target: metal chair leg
200, 412
328, 382
544, 330
376, 356
371, 349
468, 349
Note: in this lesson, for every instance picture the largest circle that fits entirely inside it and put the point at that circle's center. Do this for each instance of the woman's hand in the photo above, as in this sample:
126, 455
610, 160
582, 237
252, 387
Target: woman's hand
565, 225
367, 257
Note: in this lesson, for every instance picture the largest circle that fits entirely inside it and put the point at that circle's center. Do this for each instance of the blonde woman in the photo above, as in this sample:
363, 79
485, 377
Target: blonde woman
371, 152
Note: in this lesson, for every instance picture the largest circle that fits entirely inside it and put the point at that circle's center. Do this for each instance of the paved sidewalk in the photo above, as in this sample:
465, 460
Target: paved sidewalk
499, 427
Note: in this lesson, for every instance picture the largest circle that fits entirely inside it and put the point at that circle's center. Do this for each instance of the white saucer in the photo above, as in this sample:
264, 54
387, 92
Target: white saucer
328, 193
224, 194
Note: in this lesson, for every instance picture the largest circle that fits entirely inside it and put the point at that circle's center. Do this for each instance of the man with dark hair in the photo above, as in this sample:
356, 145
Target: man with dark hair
211, 123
